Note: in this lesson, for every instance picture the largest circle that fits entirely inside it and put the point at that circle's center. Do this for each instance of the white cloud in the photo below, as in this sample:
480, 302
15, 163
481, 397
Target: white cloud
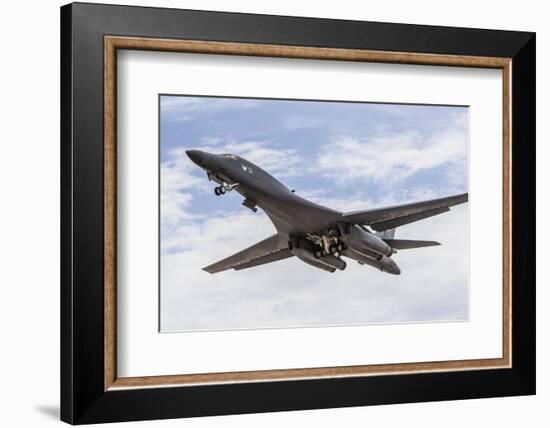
433, 285
355, 199
169, 104
184, 108
434, 281
390, 157
176, 176
289, 293
281, 162
180, 178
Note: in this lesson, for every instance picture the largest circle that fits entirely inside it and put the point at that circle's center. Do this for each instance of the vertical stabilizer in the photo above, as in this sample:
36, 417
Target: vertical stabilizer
386, 234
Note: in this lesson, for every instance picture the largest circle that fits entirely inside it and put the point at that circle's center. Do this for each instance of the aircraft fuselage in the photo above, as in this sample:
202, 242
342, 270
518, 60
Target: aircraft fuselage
313, 232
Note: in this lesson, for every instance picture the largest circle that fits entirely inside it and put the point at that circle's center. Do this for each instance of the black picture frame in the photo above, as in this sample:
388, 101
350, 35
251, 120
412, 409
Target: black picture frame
83, 397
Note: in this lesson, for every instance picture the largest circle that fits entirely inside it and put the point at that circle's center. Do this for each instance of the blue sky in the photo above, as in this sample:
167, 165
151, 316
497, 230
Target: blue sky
348, 156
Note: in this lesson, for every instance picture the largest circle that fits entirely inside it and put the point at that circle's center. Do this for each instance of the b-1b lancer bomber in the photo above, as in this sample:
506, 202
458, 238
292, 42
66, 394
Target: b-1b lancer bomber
317, 235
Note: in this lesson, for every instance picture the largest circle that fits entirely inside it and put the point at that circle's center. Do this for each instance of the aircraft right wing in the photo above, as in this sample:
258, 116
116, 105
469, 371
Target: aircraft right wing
269, 250
381, 219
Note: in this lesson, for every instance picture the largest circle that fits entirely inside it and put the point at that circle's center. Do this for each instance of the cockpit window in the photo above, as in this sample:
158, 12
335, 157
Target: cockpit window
229, 156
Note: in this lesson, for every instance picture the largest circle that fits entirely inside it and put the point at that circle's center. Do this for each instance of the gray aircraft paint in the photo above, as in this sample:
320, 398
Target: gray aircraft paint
315, 234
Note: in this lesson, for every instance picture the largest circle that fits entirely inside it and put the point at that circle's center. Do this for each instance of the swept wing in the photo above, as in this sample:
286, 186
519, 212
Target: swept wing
381, 219
269, 250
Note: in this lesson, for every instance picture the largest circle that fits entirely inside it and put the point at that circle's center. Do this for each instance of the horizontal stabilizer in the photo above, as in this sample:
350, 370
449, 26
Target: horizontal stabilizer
407, 244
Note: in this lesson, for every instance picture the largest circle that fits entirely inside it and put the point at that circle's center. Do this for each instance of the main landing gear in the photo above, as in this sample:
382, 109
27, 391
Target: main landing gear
334, 249
220, 190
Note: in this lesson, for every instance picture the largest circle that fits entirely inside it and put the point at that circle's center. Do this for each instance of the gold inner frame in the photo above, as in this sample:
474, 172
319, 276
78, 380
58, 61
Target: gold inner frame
112, 43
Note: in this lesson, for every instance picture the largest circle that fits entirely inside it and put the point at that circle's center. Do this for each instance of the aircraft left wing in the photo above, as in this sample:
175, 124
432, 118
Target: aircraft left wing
269, 250
381, 219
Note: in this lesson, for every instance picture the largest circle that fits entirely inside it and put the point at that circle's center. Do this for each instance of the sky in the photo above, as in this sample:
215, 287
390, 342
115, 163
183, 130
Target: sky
348, 156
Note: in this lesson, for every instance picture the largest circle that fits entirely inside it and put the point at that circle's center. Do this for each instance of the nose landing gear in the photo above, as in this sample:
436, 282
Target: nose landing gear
220, 190
224, 188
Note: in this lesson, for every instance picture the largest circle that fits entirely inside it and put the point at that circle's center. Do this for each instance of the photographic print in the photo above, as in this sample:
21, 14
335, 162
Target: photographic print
277, 213
322, 202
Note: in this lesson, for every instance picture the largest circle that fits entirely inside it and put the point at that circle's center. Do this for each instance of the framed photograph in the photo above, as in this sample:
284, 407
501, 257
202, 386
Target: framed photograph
265, 213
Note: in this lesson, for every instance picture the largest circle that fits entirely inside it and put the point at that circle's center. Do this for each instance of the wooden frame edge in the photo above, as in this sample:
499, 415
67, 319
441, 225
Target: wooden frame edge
112, 43
301, 52
109, 198
300, 374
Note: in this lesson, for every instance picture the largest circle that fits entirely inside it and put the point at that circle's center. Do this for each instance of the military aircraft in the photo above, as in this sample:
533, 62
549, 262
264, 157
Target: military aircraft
317, 235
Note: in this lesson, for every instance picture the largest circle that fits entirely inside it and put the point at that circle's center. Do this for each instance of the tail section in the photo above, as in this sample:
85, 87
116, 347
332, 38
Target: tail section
403, 244
386, 234
407, 244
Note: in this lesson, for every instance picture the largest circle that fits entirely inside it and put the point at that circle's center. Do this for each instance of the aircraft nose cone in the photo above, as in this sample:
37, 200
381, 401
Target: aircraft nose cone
196, 156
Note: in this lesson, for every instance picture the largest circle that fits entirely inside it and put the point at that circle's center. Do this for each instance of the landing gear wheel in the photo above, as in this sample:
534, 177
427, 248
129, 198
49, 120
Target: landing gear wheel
318, 254
217, 191
340, 247
222, 190
333, 249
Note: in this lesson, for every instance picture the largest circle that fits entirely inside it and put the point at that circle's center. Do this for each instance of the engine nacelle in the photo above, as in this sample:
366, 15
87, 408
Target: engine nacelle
385, 264
365, 242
